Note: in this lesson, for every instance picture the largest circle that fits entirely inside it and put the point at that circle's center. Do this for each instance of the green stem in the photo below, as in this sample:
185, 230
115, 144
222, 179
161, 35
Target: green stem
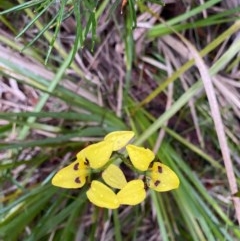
117, 226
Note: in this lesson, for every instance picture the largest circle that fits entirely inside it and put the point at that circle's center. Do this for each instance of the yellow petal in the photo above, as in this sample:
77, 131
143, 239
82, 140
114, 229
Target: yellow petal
114, 177
140, 157
98, 154
119, 138
133, 193
102, 196
72, 176
162, 178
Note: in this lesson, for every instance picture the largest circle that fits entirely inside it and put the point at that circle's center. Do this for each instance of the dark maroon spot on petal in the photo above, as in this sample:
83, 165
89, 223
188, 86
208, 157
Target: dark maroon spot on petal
160, 169
151, 165
86, 162
76, 166
77, 180
156, 183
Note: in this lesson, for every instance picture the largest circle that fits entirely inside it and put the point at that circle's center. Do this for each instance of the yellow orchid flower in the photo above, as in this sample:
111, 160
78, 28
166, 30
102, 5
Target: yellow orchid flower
114, 177
140, 157
72, 176
94, 156
133, 193
102, 196
161, 178
119, 138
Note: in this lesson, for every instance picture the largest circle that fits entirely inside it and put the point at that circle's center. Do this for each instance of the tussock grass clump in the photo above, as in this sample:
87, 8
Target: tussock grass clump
72, 71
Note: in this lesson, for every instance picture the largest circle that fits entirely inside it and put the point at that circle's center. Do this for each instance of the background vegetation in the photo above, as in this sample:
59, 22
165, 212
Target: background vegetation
71, 71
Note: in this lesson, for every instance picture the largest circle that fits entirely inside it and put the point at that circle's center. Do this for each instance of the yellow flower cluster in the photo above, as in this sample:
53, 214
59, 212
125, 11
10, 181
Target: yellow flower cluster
96, 157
